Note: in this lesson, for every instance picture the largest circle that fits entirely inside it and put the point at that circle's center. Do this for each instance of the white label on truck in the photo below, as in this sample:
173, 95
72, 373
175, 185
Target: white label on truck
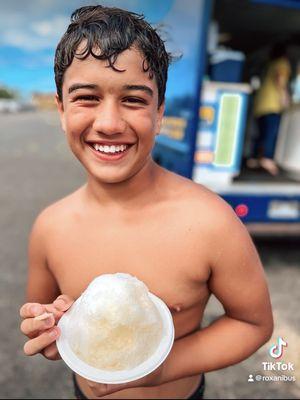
283, 209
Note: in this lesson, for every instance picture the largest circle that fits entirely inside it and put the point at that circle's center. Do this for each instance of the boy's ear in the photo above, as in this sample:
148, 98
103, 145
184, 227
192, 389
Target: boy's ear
60, 109
160, 114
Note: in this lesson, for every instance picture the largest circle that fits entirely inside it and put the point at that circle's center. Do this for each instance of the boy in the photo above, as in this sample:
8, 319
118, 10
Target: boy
135, 217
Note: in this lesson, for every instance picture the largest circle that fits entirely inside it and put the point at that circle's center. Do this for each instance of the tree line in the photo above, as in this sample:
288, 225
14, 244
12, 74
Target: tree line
6, 93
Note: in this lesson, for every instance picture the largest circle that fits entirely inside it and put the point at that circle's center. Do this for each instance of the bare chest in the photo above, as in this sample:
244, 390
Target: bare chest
167, 258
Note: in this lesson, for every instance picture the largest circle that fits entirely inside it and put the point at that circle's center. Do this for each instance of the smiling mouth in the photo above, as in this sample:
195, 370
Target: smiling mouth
108, 152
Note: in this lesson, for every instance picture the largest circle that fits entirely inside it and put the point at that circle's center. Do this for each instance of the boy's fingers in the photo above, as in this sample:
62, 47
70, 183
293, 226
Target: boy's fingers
51, 352
43, 316
31, 310
63, 302
38, 344
32, 325
50, 308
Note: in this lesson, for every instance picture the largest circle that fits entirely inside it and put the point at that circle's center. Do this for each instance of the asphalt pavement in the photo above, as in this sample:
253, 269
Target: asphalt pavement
37, 168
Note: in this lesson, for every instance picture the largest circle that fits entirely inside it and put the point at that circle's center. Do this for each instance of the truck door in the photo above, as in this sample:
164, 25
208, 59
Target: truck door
188, 23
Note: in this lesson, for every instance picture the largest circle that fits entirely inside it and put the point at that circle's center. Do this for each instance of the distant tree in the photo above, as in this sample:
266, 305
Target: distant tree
6, 94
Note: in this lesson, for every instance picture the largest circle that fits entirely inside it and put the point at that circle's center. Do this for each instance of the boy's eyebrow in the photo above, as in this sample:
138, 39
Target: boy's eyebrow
144, 88
77, 86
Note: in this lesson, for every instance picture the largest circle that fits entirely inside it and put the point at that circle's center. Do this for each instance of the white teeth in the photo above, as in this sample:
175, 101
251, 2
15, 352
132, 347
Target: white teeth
110, 149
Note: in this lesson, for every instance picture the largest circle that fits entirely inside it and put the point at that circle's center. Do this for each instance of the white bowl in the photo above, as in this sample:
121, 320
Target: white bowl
128, 375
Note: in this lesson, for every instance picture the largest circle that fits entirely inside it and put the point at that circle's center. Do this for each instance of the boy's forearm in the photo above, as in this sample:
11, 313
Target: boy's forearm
225, 342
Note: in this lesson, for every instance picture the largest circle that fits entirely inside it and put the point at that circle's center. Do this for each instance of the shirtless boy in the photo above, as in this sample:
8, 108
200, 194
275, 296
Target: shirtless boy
135, 217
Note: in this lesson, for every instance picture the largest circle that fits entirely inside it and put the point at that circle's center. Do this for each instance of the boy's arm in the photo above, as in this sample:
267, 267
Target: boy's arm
41, 284
237, 280
44, 308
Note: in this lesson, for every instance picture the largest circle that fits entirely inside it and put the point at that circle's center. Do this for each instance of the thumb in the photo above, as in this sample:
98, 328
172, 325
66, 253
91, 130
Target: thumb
63, 302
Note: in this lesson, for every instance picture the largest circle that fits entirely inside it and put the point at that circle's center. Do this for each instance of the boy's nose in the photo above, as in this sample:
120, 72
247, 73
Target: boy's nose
108, 120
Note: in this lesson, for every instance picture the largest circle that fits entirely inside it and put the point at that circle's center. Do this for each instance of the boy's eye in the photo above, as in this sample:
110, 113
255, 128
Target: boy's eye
134, 100
86, 98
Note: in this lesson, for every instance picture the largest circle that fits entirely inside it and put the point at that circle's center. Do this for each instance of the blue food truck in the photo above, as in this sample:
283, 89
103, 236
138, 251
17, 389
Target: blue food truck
205, 133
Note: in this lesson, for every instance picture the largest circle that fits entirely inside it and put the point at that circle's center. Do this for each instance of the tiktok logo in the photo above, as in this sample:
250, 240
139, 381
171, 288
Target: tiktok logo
276, 351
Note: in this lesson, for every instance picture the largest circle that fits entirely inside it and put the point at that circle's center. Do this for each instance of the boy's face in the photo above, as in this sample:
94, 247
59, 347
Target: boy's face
116, 112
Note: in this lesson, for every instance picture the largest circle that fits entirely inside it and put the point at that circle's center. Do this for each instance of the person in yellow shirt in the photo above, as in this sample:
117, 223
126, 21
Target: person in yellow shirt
269, 103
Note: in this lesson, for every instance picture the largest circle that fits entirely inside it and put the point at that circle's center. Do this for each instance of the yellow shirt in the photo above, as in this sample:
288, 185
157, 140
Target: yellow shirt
269, 98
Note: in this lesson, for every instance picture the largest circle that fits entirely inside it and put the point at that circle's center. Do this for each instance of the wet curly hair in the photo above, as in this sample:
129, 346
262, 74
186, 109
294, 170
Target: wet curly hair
104, 33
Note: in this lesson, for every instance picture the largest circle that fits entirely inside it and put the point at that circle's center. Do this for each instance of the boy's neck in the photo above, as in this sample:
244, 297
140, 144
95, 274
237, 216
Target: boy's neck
135, 192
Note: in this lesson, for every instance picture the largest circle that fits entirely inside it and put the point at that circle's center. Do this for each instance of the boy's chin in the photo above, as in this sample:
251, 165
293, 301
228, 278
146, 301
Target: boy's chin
109, 175
110, 178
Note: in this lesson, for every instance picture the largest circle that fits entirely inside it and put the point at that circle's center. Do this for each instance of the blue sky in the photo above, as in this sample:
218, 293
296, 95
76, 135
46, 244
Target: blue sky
31, 29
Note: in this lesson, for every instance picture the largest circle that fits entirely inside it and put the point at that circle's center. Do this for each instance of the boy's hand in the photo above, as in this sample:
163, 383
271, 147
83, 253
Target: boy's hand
153, 379
39, 325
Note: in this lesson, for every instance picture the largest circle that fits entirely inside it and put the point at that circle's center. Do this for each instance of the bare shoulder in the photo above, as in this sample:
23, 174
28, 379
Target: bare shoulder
201, 202
53, 215
210, 217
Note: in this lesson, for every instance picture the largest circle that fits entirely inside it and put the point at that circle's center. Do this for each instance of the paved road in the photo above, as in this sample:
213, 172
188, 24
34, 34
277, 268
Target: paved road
36, 168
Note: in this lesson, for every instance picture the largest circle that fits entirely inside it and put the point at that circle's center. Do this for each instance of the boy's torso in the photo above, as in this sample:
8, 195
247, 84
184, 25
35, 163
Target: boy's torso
164, 245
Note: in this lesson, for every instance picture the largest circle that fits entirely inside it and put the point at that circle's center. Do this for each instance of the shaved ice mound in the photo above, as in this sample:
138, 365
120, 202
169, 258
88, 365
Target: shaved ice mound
115, 325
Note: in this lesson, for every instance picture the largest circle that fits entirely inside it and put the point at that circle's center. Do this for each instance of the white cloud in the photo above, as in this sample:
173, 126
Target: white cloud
42, 28
40, 34
51, 28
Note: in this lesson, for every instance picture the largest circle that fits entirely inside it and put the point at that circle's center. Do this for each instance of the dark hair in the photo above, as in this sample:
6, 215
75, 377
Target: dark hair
105, 33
